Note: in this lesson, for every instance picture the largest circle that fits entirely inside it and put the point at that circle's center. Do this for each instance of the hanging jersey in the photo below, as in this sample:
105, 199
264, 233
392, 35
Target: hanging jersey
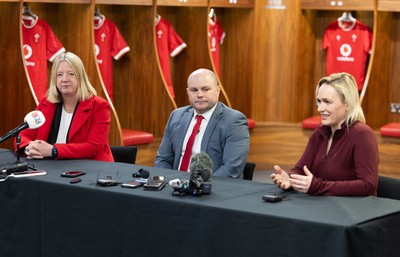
217, 36
39, 45
168, 44
109, 44
347, 48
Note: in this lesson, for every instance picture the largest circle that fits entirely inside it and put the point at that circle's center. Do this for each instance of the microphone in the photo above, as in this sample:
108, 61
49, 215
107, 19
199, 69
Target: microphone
200, 169
32, 120
201, 166
16, 167
142, 173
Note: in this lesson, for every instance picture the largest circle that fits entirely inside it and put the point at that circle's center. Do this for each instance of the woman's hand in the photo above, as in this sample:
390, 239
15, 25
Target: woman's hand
38, 149
301, 183
281, 178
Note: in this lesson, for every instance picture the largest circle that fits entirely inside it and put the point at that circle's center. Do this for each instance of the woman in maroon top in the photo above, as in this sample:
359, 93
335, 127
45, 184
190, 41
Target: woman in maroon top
341, 157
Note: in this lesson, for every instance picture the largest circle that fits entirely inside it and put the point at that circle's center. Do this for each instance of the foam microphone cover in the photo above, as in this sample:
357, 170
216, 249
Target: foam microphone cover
142, 173
201, 163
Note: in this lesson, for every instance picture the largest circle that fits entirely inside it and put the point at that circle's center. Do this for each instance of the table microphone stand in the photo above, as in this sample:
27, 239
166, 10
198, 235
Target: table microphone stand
18, 165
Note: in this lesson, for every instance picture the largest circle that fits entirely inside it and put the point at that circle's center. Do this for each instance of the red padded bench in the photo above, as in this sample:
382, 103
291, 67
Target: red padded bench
390, 130
312, 122
251, 123
136, 137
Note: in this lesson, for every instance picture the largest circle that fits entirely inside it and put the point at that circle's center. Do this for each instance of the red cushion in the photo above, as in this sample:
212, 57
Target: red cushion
252, 123
390, 130
136, 137
312, 122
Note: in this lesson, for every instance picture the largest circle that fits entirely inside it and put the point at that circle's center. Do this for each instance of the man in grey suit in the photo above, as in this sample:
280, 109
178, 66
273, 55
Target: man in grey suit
223, 133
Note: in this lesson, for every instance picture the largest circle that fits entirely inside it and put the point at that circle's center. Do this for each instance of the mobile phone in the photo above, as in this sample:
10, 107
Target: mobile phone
155, 183
72, 174
75, 180
132, 184
30, 173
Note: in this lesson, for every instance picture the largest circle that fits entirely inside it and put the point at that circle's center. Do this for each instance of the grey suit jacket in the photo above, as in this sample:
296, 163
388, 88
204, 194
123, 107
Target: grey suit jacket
226, 140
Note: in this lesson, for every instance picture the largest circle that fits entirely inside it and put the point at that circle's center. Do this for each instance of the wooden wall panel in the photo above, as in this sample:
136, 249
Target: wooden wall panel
309, 53
191, 25
394, 77
276, 46
17, 98
384, 87
236, 56
139, 95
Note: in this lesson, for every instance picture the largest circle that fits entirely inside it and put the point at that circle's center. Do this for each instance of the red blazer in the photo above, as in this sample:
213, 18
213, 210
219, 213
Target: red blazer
88, 133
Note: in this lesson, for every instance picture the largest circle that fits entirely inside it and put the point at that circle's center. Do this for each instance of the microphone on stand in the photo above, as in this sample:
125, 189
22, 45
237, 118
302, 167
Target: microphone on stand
200, 169
32, 120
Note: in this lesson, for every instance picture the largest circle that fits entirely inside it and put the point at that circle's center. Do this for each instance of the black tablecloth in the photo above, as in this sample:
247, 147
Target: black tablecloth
48, 216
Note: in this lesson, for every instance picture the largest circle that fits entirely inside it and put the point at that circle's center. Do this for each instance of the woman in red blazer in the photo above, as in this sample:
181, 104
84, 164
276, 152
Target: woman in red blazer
77, 120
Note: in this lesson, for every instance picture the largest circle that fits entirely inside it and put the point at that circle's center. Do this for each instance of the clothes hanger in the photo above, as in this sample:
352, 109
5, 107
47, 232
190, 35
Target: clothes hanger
212, 14
97, 13
347, 17
98, 17
28, 17
26, 11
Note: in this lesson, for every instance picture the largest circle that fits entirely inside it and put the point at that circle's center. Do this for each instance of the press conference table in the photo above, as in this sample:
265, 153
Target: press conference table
48, 216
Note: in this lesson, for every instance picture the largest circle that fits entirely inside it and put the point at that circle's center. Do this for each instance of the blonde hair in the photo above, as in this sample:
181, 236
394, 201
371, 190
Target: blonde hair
85, 89
346, 86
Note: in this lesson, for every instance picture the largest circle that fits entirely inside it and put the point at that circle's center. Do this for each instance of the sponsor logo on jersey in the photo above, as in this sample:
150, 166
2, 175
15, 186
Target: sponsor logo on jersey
28, 54
97, 51
345, 51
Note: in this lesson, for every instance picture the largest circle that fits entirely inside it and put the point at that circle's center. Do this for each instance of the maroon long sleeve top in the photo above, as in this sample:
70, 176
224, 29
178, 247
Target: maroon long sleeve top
350, 168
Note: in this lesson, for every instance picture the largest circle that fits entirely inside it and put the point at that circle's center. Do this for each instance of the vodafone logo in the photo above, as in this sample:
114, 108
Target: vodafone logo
27, 51
97, 51
345, 50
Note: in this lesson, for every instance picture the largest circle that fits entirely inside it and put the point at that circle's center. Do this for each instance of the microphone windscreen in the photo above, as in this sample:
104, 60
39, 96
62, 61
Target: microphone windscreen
35, 119
144, 173
201, 162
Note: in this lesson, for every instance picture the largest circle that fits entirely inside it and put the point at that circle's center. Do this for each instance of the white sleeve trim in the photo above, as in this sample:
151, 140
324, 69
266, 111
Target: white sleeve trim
178, 50
221, 41
62, 50
122, 52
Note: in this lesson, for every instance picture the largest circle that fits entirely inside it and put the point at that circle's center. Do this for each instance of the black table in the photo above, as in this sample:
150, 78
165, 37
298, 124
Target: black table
48, 216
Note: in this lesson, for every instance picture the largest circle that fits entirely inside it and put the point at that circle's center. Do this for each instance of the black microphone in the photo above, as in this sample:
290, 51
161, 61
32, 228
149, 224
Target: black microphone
16, 167
32, 120
200, 169
142, 173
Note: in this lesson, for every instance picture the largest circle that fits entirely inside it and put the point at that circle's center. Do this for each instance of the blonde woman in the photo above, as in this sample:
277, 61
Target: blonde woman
341, 157
77, 120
